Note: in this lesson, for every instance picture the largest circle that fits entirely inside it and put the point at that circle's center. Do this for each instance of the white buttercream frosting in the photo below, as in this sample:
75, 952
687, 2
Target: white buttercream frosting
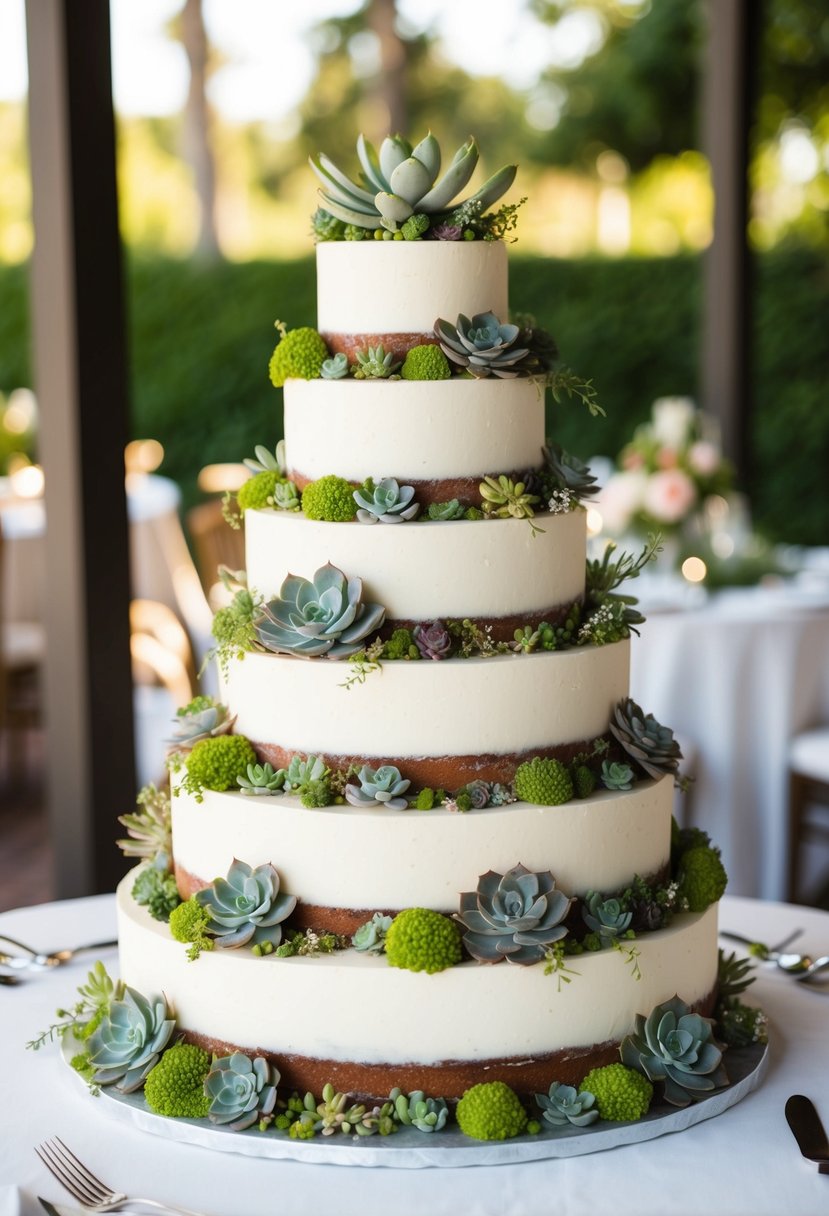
419, 571
385, 287
285, 1005
402, 859
508, 703
424, 430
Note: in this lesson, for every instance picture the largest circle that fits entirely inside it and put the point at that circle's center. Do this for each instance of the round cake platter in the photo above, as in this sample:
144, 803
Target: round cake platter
411, 1149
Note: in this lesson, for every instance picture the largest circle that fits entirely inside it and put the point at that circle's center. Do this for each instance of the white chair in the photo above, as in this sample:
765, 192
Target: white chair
808, 800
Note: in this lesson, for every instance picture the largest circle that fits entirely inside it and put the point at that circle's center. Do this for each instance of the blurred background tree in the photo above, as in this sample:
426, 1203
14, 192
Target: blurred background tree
597, 101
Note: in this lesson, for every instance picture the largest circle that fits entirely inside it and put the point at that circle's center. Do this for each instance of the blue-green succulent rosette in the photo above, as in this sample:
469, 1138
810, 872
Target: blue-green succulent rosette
322, 616
129, 1040
517, 916
677, 1047
241, 1091
246, 908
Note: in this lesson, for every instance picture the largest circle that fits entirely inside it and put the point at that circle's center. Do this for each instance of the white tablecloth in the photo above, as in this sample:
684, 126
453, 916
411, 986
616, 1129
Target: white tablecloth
738, 678
744, 1163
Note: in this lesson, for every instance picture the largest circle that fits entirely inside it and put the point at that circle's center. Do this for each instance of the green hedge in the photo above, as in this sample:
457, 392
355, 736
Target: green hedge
201, 336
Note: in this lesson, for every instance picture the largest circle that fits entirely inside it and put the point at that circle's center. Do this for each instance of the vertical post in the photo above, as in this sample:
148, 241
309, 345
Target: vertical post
80, 376
728, 84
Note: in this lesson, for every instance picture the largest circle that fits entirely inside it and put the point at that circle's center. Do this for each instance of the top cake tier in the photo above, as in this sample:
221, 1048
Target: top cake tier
392, 292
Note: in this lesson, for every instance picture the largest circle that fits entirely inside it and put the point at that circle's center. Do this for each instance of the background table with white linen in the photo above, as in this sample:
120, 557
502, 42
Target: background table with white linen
744, 1162
738, 676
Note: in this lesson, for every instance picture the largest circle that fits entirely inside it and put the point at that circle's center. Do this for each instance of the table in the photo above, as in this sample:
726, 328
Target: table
738, 676
744, 1162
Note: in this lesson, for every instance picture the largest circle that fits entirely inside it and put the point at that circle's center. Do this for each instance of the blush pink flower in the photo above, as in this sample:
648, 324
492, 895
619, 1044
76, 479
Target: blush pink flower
669, 496
703, 457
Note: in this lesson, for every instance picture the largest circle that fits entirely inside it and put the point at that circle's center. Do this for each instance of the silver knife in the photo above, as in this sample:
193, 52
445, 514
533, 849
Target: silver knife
808, 1131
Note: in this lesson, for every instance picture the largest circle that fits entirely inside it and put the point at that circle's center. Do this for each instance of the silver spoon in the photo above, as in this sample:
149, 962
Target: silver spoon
794, 964
814, 969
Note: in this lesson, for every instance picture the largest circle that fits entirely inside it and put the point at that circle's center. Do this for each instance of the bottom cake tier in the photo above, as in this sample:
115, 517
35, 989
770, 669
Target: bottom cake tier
352, 1019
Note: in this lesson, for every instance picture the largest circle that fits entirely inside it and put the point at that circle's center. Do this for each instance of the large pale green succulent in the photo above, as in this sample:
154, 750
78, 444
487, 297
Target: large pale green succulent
241, 1090
129, 1040
198, 722
402, 181
516, 916
321, 616
246, 907
482, 345
676, 1047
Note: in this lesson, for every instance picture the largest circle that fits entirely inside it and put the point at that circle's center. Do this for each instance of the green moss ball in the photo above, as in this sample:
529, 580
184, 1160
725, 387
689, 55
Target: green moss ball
214, 764
188, 921
257, 490
584, 781
702, 878
298, 356
491, 1111
330, 498
175, 1086
425, 363
421, 940
621, 1093
545, 782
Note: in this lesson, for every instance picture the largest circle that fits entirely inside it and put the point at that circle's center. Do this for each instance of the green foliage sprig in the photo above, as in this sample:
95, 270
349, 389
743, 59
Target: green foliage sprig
96, 997
233, 626
564, 382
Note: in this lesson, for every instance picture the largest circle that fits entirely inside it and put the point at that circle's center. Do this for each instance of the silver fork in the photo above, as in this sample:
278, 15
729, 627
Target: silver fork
32, 958
82, 1184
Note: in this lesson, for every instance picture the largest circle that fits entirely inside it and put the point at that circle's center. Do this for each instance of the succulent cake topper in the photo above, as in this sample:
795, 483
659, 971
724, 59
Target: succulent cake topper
402, 181
322, 616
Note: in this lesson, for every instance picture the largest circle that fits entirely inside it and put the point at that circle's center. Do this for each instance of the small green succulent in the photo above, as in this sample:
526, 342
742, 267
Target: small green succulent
563, 1104
605, 917
150, 827
301, 774
517, 916
385, 503
246, 907
262, 779
370, 938
265, 461
379, 787
416, 1110
335, 368
203, 718
375, 363
446, 510
155, 889
616, 776
507, 499
241, 1091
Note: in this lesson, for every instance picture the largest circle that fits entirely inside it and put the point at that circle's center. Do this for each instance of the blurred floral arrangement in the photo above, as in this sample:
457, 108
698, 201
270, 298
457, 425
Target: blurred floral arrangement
665, 474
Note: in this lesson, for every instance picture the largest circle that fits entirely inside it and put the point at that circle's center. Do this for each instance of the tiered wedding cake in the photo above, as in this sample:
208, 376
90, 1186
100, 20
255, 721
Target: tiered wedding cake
463, 725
